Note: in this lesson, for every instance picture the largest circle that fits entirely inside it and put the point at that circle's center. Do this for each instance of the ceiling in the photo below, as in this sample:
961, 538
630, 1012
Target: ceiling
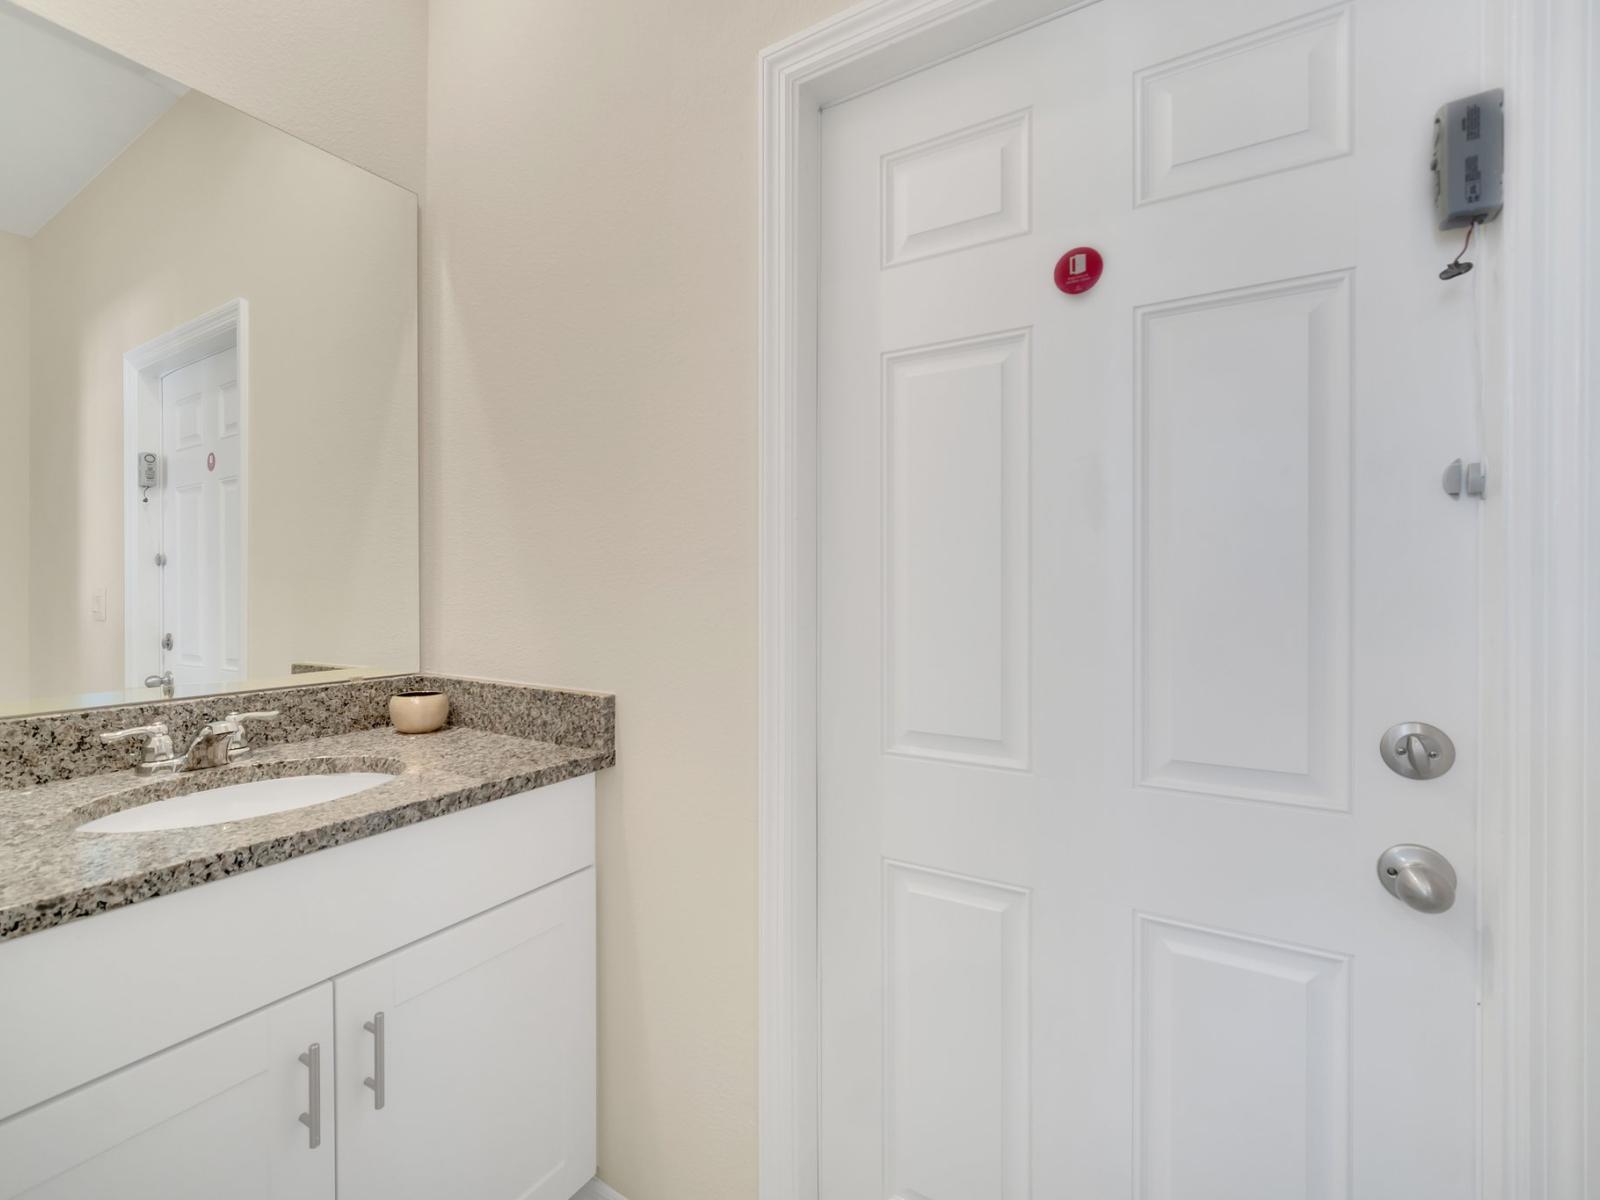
67, 109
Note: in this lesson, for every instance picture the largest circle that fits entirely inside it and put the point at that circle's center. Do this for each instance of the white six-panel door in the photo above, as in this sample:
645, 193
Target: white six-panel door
203, 520
1117, 593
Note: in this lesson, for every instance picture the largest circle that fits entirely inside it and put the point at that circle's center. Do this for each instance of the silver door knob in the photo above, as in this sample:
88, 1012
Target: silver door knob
1420, 876
1417, 750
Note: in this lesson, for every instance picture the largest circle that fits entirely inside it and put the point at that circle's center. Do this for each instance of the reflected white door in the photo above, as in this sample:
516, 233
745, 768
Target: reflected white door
1117, 593
202, 589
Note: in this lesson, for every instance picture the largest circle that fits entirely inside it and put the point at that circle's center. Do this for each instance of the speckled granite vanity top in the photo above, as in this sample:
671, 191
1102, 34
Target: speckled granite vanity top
52, 873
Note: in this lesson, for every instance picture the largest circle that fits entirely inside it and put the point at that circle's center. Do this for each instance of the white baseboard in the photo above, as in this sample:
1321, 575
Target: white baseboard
595, 1190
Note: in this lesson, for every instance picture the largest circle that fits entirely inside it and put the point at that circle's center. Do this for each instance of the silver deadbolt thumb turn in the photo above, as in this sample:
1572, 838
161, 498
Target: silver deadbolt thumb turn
1417, 750
1422, 877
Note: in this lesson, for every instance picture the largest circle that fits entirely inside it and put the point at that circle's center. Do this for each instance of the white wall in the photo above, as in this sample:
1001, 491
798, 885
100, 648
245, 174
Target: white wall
13, 467
346, 75
589, 494
208, 205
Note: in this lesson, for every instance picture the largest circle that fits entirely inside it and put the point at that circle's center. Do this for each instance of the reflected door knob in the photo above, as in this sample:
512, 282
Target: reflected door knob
1418, 875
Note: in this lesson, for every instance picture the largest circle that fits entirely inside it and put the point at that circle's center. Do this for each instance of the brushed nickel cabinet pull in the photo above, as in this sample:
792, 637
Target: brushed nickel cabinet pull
375, 1080
312, 1120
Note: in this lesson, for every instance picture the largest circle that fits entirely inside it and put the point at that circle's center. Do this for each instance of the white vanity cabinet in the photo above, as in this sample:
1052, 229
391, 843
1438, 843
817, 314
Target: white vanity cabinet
149, 1053
479, 1044
218, 1115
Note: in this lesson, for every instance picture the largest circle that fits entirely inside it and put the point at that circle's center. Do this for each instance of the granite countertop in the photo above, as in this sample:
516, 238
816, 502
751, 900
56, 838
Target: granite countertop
51, 874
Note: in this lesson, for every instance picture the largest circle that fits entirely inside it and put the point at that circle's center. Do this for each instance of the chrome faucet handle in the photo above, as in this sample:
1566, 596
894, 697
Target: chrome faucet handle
237, 746
123, 735
157, 753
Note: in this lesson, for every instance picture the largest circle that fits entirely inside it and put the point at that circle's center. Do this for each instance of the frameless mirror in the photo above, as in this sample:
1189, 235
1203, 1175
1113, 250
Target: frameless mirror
208, 391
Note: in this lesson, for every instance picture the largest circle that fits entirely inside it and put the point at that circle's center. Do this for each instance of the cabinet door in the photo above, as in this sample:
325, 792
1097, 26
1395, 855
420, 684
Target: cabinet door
486, 1062
214, 1116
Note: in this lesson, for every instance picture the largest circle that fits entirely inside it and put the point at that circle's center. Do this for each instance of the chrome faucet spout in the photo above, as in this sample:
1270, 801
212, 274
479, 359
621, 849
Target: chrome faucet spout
221, 742
210, 746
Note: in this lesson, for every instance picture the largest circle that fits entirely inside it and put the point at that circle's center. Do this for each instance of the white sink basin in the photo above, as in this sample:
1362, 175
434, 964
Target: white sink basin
236, 802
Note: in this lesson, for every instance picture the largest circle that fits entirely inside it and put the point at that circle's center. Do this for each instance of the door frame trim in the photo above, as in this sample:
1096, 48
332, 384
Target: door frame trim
1540, 629
142, 369
1539, 554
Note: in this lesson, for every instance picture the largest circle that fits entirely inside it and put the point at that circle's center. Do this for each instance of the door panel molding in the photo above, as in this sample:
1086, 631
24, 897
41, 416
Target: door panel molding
957, 411
1538, 543
955, 1142
1272, 1022
1280, 733
1284, 94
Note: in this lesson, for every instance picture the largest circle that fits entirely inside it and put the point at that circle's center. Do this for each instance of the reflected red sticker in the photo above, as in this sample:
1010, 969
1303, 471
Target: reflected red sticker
211, 462
1079, 269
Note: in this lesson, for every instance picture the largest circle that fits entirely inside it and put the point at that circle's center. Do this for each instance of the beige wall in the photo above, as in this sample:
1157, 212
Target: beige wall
208, 205
346, 75
13, 467
589, 494
589, 502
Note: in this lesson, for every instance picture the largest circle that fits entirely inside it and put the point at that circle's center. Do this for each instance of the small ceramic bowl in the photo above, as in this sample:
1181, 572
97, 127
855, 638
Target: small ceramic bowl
419, 712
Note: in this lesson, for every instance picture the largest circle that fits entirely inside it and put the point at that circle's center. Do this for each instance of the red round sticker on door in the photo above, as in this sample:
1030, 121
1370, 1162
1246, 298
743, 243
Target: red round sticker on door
211, 462
1079, 269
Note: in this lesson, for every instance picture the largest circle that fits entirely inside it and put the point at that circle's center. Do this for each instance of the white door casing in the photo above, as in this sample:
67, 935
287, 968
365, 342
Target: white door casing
1116, 594
218, 1113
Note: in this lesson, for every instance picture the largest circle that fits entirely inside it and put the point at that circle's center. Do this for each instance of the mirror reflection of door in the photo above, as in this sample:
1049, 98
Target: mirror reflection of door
186, 618
201, 529
141, 222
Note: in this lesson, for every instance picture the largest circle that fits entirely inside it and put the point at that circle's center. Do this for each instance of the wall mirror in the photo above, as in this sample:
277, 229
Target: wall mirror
208, 392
